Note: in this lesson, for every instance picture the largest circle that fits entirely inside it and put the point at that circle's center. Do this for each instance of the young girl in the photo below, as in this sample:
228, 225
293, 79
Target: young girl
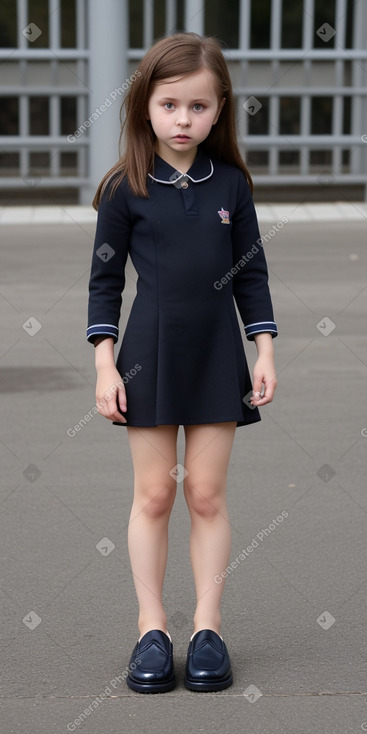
179, 202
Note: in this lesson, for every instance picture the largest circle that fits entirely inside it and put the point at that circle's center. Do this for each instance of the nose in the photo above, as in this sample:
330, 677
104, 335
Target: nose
183, 118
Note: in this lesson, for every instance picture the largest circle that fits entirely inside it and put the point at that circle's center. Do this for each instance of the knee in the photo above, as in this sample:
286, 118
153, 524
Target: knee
204, 498
156, 500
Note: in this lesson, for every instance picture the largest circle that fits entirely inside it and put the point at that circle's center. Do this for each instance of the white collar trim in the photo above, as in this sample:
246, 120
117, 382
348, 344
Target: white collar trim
185, 176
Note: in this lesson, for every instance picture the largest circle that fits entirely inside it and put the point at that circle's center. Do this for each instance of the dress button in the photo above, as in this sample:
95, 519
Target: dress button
184, 185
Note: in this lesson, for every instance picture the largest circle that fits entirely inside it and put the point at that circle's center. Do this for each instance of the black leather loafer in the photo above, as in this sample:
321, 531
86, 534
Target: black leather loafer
208, 667
151, 664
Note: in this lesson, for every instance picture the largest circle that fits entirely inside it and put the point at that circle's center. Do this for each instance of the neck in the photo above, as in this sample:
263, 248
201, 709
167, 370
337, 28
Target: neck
180, 161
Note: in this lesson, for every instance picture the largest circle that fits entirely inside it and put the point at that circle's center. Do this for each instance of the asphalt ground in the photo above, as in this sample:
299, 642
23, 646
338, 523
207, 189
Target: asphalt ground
294, 608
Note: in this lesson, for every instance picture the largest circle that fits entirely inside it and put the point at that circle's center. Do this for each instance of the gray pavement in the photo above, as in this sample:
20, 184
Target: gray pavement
294, 607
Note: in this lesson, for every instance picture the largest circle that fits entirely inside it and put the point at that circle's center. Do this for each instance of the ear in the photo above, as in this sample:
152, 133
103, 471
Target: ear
220, 107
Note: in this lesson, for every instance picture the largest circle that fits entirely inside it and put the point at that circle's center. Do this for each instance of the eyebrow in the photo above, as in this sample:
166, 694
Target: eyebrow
173, 99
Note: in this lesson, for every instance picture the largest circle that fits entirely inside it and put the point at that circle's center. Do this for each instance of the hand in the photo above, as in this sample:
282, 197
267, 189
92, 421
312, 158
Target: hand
264, 381
109, 386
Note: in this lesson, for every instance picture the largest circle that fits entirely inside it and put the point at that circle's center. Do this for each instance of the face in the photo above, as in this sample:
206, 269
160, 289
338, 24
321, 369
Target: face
182, 112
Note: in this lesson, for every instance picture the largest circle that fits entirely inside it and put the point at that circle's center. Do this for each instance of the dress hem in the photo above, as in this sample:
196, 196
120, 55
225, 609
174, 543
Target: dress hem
240, 423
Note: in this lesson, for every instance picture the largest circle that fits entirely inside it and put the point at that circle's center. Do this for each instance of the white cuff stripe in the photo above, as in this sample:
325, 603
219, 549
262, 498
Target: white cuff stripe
94, 325
257, 323
109, 329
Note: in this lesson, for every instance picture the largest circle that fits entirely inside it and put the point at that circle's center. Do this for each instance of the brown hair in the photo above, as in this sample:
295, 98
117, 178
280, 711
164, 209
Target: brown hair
177, 55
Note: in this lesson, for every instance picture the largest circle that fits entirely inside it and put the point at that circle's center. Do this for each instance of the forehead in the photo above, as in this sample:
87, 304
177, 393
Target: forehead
200, 84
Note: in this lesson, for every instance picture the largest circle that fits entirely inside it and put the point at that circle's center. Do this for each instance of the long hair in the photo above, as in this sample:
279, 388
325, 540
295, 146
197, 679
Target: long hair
174, 56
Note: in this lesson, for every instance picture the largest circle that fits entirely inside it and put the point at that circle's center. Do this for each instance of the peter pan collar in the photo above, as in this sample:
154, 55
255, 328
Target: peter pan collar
201, 169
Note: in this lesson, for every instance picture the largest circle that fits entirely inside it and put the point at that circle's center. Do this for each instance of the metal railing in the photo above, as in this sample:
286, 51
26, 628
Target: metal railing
60, 62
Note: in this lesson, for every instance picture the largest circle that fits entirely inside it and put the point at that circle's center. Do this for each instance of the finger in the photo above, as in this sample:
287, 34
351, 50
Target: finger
256, 400
256, 390
268, 393
113, 413
257, 384
101, 405
121, 401
118, 417
121, 407
263, 401
109, 409
117, 406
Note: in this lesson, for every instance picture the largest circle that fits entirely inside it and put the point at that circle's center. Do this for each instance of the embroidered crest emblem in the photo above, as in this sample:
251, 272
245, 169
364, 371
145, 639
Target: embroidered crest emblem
224, 216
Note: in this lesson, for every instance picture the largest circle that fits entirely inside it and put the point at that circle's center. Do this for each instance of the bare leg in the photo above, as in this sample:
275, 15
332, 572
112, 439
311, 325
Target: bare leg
154, 453
208, 449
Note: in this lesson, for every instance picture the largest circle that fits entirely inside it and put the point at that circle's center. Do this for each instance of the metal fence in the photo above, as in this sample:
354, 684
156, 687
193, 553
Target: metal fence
302, 112
42, 81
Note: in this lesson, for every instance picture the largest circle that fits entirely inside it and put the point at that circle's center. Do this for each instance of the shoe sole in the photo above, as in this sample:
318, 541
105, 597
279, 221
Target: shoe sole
208, 685
151, 687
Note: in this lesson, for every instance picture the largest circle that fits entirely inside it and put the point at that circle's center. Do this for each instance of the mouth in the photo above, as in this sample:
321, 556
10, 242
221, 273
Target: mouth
182, 137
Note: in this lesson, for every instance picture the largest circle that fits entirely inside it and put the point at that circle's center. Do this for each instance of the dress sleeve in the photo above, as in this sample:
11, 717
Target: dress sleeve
107, 275
250, 280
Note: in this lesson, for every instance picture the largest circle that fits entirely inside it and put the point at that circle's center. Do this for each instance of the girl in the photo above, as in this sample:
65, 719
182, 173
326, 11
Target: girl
179, 202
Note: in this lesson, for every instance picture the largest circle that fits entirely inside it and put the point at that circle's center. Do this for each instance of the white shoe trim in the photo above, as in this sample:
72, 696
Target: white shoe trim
195, 633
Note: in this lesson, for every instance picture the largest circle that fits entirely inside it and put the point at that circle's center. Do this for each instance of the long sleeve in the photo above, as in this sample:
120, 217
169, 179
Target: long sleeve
107, 276
250, 281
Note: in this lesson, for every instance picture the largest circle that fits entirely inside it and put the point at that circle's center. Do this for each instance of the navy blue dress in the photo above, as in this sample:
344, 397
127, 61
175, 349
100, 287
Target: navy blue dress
196, 247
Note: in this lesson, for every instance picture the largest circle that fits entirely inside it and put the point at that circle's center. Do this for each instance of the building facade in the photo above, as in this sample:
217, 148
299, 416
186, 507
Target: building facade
299, 72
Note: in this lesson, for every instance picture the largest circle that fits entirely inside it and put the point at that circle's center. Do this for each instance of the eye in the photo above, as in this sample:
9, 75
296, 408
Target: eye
196, 105
169, 105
